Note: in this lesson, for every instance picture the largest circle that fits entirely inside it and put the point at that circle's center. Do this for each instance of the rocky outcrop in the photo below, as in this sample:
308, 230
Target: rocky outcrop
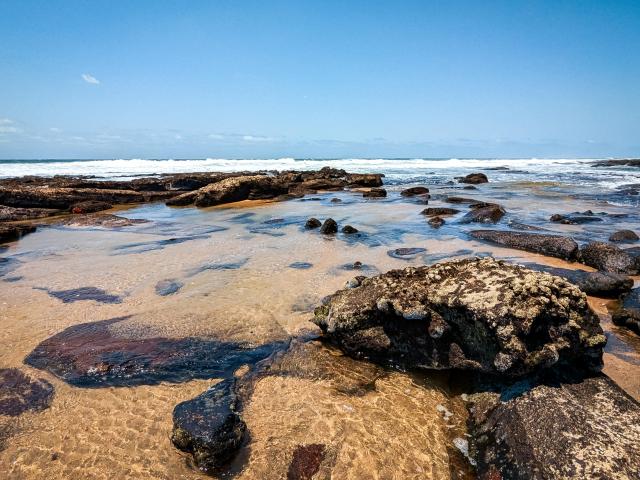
479, 314
375, 193
89, 206
628, 315
550, 245
556, 429
10, 232
489, 213
474, 178
623, 162
253, 187
209, 426
10, 214
103, 220
597, 284
439, 211
624, 236
608, 258
364, 179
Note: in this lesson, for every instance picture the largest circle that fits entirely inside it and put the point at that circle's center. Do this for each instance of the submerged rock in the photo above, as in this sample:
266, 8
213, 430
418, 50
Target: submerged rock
575, 218
587, 428
83, 294
406, 253
306, 461
624, 236
312, 223
413, 191
168, 287
91, 355
209, 426
375, 193
438, 211
9, 233
20, 393
103, 220
490, 213
551, 245
608, 258
478, 314
474, 178
436, 222
598, 284
460, 200
628, 315
329, 226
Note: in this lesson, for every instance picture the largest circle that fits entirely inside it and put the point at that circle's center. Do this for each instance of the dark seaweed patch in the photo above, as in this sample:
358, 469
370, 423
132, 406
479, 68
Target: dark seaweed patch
83, 293
219, 266
89, 355
301, 265
306, 461
141, 247
19, 393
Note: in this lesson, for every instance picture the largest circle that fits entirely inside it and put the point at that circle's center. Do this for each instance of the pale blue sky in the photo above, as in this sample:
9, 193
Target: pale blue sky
187, 79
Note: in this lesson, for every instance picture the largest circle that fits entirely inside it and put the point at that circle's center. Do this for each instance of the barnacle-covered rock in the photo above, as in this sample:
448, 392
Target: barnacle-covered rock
476, 314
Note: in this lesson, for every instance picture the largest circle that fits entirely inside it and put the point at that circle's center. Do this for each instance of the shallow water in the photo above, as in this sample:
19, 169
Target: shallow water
237, 267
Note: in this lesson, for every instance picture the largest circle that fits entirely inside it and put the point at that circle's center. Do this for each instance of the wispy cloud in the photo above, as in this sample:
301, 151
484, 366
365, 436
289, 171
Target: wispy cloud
7, 126
6, 121
256, 138
55, 130
90, 79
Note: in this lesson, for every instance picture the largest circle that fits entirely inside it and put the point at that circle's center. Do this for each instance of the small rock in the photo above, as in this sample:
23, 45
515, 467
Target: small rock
608, 258
628, 315
168, 287
436, 222
312, 223
336, 200
474, 178
438, 211
375, 193
329, 226
90, 206
624, 236
413, 191
348, 229
491, 213
406, 253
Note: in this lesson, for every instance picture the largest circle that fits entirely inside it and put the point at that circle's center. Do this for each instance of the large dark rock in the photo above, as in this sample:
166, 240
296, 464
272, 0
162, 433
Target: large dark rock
20, 393
598, 284
490, 213
9, 232
624, 236
375, 193
576, 218
364, 179
209, 426
608, 258
628, 315
312, 223
474, 178
439, 211
253, 187
91, 355
584, 428
550, 245
623, 162
478, 314
9, 214
413, 191
329, 226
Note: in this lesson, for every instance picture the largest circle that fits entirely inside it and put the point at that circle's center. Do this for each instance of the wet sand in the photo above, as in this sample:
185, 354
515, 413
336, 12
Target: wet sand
250, 273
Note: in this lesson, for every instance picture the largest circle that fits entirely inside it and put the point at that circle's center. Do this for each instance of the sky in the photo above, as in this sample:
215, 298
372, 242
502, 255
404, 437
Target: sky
269, 79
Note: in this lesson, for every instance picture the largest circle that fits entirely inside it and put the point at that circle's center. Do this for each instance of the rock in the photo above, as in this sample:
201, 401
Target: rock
438, 211
336, 200
329, 226
306, 461
314, 185
83, 294
460, 200
301, 265
168, 287
312, 223
9, 232
575, 218
9, 214
523, 226
624, 162
608, 258
474, 178
375, 193
575, 429
550, 245
209, 427
624, 236
20, 393
91, 355
103, 220
348, 229
90, 206
235, 189
436, 222
406, 253
475, 314
410, 192
484, 214
364, 179
628, 315
597, 284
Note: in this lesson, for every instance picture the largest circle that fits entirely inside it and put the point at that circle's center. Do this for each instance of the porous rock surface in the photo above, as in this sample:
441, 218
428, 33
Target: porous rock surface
628, 315
550, 245
609, 258
587, 428
476, 314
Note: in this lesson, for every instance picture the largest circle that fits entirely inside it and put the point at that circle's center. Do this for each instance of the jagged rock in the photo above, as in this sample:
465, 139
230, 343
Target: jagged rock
608, 258
551, 245
375, 193
209, 427
365, 179
9, 214
329, 226
103, 220
20, 393
89, 206
624, 236
313, 185
490, 213
235, 189
312, 223
474, 178
348, 229
478, 314
623, 162
413, 191
598, 284
436, 222
438, 211
628, 315
9, 233
583, 428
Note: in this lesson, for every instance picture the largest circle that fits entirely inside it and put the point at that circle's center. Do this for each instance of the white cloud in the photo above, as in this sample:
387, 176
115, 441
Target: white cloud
55, 130
256, 138
216, 136
5, 121
90, 79
9, 130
